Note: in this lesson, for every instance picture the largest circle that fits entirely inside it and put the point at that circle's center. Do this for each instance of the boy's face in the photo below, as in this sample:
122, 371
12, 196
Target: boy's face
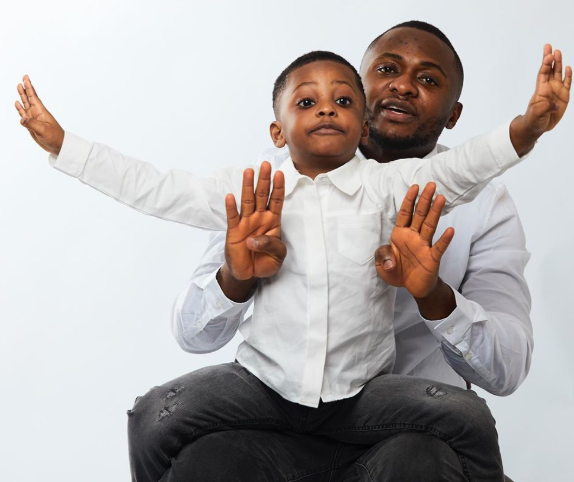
321, 116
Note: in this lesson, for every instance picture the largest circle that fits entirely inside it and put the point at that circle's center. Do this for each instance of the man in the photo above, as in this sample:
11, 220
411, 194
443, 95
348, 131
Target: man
476, 326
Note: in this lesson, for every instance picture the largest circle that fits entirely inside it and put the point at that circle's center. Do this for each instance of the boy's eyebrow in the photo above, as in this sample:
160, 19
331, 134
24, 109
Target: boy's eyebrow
423, 63
302, 84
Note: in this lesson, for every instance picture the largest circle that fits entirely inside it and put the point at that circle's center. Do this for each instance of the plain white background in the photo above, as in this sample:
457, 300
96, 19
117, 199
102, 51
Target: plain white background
86, 284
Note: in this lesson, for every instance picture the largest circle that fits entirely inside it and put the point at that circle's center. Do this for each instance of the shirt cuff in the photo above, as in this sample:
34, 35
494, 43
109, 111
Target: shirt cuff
216, 303
453, 328
73, 155
502, 148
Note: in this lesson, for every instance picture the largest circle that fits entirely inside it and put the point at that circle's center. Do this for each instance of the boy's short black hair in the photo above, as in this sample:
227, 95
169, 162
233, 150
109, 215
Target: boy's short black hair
309, 58
427, 27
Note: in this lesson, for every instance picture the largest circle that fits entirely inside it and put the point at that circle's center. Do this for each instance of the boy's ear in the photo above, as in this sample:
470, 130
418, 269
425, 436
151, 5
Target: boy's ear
277, 134
454, 116
364, 134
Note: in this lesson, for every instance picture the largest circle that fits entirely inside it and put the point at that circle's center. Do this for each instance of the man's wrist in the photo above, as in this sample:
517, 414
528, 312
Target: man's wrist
236, 290
439, 303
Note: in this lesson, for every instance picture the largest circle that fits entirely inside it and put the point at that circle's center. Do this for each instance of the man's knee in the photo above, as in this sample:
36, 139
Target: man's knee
408, 457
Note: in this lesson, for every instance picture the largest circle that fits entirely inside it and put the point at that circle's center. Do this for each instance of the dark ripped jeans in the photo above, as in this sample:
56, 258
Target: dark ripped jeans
191, 412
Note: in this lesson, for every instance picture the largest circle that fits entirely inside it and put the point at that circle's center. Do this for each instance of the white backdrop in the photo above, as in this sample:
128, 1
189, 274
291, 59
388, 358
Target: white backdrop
86, 284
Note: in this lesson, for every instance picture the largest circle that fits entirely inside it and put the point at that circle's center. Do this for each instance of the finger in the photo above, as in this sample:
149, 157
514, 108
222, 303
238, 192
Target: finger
423, 205
558, 65
545, 69
247, 196
37, 127
20, 109
263, 187
231, 211
269, 245
23, 96
385, 257
278, 194
406, 210
431, 221
440, 247
31, 93
568, 78
546, 50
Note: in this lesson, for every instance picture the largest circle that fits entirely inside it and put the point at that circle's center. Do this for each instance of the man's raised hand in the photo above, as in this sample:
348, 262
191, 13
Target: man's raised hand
547, 105
42, 126
411, 260
253, 247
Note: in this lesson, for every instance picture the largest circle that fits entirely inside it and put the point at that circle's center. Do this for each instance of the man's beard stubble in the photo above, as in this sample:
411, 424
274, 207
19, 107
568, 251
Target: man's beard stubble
426, 134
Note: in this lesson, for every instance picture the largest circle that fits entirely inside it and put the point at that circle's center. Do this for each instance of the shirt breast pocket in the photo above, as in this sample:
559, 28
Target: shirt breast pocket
358, 236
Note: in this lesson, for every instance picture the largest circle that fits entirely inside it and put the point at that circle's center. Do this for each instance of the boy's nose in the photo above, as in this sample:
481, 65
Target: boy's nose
326, 110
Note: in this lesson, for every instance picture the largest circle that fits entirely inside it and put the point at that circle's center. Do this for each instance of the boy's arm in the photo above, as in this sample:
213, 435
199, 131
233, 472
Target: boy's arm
461, 173
175, 195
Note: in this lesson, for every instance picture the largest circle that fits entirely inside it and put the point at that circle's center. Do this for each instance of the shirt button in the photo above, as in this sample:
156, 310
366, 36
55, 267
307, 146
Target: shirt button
199, 324
449, 330
468, 356
218, 304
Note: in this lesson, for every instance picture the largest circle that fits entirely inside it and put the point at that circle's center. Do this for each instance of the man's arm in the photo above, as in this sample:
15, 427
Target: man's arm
487, 338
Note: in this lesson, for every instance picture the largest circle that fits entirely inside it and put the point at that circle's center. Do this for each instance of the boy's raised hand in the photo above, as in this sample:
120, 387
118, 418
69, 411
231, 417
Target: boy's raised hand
42, 126
547, 105
412, 261
253, 247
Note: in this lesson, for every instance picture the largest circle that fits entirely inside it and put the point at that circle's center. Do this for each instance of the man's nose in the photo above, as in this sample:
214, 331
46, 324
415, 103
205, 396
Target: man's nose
403, 85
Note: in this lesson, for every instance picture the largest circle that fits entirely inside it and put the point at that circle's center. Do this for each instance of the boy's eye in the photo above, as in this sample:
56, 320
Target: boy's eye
386, 69
343, 101
425, 79
305, 103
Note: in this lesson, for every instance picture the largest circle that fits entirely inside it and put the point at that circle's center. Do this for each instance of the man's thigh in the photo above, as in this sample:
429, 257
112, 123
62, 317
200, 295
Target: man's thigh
217, 398
253, 455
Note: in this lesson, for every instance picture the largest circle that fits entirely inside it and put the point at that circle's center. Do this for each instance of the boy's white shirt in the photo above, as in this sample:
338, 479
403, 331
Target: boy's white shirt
322, 327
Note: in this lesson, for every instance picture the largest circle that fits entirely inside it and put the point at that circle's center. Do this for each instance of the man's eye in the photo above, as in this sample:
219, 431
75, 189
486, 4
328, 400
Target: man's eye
343, 101
386, 69
425, 79
305, 103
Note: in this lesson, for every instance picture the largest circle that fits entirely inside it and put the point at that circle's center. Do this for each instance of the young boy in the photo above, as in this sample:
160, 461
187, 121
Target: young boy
336, 212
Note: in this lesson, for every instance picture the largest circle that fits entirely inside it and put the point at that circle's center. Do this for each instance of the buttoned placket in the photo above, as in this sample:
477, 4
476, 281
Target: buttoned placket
318, 291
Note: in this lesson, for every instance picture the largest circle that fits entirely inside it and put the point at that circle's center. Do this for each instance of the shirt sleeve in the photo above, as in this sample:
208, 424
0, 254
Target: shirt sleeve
203, 318
460, 173
175, 195
488, 338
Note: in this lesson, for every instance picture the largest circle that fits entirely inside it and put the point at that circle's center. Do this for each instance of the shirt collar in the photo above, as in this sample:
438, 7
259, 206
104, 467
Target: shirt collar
346, 178
437, 148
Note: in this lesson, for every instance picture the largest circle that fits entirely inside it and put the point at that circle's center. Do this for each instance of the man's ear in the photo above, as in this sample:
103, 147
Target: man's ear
277, 134
454, 116
364, 133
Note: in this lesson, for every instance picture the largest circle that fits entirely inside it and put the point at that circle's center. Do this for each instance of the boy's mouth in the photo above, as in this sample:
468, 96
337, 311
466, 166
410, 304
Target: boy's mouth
326, 129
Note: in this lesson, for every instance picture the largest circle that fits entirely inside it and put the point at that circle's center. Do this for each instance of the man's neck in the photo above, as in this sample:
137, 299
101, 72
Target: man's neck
374, 151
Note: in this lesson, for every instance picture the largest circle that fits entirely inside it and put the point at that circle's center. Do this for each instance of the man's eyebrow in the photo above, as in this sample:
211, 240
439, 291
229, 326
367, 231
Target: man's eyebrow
423, 63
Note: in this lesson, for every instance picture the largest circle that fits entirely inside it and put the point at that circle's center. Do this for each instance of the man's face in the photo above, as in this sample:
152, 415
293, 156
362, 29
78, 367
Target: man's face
412, 87
321, 114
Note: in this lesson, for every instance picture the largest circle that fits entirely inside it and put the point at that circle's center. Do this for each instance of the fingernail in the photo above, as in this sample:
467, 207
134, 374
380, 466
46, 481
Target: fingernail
388, 264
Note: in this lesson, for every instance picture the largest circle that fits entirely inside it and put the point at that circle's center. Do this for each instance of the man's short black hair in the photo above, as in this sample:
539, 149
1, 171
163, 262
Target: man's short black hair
309, 58
427, 27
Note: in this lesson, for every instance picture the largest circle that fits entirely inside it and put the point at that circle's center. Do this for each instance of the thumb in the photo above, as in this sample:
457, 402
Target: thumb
385, 257
33, 125
270, 245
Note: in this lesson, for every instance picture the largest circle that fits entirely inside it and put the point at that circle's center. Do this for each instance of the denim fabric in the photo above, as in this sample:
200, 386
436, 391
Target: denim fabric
229, 398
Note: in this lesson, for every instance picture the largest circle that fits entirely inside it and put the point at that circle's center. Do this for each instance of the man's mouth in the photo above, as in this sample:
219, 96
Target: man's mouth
397, 109
326, 129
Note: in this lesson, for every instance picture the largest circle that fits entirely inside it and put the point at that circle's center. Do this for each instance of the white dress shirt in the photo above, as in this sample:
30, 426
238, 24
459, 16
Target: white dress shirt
322, 327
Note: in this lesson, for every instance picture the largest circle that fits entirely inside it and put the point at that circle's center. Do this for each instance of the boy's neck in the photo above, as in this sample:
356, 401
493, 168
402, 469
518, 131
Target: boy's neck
312, 166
